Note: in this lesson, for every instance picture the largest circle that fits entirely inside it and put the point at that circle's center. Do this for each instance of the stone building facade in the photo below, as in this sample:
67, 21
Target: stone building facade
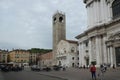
67, 53
46, 59
100, 43
33, 58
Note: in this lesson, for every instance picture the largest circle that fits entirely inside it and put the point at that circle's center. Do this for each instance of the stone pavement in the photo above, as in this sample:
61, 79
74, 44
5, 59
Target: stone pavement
1, 77
82, 74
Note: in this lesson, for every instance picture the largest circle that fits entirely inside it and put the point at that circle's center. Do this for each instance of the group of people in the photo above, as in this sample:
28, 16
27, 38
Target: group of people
93, 71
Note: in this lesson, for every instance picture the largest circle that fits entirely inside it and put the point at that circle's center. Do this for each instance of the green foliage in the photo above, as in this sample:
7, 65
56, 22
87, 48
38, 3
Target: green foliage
38, 50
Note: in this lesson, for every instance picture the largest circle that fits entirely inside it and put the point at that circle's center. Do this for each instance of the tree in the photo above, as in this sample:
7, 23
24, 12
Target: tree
38, 50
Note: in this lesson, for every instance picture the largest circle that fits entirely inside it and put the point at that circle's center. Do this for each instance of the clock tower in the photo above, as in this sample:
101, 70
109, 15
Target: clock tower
59, 29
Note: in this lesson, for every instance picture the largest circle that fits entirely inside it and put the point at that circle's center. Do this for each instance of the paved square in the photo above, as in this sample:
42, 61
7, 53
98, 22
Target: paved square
83, 74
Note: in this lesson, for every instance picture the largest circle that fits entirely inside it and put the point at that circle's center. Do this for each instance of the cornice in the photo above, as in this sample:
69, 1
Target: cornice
88, 2
105, 25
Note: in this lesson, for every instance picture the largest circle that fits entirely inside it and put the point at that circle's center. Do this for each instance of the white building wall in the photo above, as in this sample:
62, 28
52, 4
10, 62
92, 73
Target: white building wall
68, 54
102, 27
99, 12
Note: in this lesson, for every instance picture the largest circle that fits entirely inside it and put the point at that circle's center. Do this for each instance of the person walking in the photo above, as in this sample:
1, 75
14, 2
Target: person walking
101, 72
103, 69
113, 66
93, 72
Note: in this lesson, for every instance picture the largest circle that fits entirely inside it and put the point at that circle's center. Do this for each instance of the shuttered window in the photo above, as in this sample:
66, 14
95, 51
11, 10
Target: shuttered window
116, 9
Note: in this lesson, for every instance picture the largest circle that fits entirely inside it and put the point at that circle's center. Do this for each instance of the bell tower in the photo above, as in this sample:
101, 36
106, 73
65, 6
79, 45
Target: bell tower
59, 29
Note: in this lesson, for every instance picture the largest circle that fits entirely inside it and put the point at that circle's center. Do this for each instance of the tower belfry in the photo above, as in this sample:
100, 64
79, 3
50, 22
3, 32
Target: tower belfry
59, 29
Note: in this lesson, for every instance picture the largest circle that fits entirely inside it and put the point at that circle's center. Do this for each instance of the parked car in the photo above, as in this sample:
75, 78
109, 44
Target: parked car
35, 68
56, 67
5, 68
46, 68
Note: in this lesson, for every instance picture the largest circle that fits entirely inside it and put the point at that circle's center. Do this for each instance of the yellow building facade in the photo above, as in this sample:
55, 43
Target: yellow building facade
19, 56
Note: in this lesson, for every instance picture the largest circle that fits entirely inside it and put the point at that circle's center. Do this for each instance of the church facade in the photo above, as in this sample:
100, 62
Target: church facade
100, 43
67, 53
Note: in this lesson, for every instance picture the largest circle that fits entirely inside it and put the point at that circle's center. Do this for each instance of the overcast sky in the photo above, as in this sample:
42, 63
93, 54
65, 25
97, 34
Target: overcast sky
27, 24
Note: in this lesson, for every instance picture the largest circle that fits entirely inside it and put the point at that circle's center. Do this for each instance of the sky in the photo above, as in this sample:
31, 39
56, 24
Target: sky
26, 24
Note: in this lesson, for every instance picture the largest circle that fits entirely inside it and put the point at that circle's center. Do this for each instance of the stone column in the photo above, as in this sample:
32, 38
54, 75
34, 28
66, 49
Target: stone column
97, 51
110, 12
111, 55
100, 50
90, 53
80, 55
101, 11
83, 62
97, 13
104, 50
108, 55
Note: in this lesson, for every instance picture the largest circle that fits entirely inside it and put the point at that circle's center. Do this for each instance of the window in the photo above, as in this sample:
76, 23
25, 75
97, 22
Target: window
64, 50
73, 64
72, 58
86, 44
72, 49
116, 9
55, 19
77, 52
61, 19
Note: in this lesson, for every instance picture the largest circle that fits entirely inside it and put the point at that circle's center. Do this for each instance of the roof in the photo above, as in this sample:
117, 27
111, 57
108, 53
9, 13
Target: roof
71, 41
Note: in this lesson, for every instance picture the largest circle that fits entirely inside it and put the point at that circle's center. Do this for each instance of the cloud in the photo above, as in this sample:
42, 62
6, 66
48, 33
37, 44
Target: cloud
28, 23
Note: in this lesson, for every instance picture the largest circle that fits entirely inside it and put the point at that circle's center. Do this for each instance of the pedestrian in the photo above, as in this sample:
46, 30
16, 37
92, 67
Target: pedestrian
83, 66
102, 68
93, 72
105, 66
64, 68
101, 72
113, 66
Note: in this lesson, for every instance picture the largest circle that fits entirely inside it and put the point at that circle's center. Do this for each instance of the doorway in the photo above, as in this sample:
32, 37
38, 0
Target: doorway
117, 51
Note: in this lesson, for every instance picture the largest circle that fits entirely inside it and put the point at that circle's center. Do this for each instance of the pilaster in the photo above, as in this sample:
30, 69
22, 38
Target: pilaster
97, 50
83, 52
108, 58
80, 54
104, 49
111, 55
90, 52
